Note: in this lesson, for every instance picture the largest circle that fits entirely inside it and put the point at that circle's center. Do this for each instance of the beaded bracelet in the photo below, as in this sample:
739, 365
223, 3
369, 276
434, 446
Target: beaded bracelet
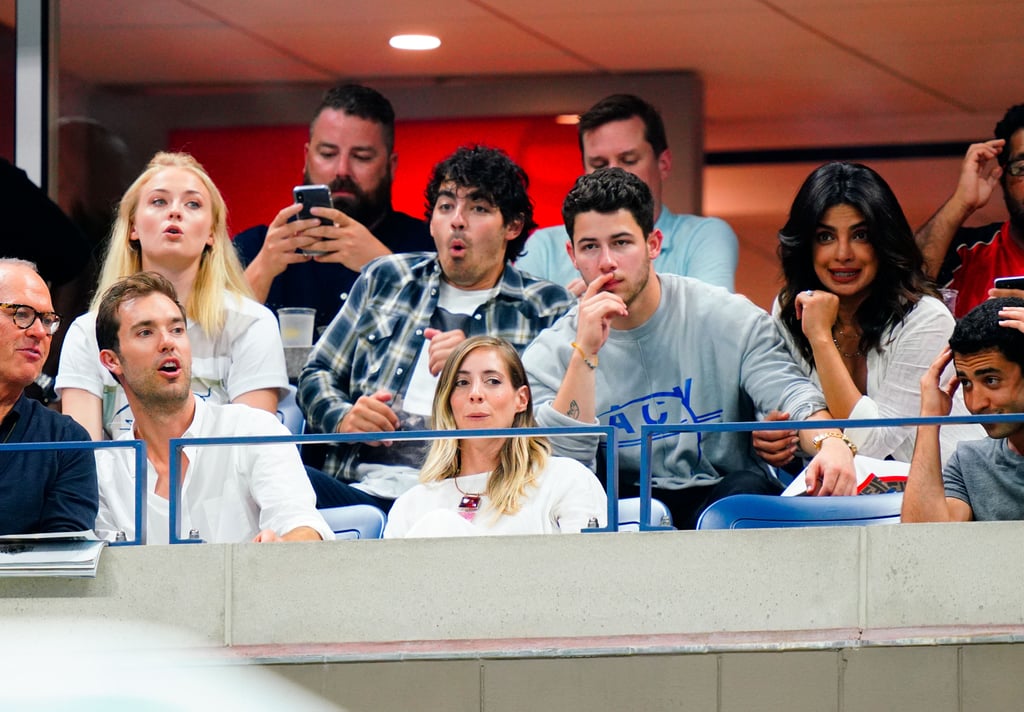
591, 364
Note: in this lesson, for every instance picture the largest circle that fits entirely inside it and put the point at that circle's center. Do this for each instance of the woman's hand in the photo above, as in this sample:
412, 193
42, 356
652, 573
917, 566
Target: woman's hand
817, 311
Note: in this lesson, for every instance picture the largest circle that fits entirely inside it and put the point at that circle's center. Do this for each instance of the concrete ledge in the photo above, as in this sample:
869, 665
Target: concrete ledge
623, 646
812, 587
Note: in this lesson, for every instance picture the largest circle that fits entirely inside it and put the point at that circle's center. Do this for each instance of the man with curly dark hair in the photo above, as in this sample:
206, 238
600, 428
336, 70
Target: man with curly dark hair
982, 480
969, 259
375, 368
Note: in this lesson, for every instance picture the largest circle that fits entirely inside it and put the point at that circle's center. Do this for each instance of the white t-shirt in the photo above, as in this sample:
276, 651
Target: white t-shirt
565, 497
419, 395
230, 493
246, 355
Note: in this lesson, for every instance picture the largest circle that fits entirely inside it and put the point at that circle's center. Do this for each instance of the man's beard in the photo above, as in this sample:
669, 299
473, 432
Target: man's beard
365, 208
158, 397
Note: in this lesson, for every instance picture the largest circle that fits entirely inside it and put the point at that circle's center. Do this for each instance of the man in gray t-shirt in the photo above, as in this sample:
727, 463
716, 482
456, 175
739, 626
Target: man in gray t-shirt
984, 479
671, 350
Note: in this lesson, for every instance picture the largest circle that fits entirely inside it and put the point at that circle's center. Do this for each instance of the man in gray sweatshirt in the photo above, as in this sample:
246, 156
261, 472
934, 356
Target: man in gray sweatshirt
640, 347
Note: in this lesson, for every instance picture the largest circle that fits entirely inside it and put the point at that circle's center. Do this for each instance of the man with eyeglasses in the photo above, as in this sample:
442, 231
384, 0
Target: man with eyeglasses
969, 259
40, 491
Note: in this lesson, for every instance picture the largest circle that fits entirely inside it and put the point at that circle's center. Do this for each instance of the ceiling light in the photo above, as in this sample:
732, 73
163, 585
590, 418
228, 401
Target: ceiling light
419, 42
567, 119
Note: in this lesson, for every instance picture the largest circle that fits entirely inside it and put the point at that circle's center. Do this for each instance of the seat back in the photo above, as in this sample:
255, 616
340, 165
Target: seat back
759, 511
356, 521
289, 413
629, 514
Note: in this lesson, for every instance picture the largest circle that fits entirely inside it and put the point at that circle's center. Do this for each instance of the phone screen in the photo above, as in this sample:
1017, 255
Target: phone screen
312, 196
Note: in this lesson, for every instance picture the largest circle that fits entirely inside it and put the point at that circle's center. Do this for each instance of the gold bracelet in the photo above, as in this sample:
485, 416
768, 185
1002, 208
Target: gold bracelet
591, 364
819, 439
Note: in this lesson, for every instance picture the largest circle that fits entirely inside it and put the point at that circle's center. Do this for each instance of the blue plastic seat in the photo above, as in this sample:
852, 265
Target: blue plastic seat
289, 413
758, 511
356, 521
629, 514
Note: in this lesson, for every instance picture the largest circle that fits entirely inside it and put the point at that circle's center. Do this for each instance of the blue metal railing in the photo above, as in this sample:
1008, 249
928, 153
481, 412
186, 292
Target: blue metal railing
647, 433
177, 445
140, 471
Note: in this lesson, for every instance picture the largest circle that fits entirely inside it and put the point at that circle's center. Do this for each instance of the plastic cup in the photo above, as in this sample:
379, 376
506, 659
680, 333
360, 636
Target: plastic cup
949, 299
296, 325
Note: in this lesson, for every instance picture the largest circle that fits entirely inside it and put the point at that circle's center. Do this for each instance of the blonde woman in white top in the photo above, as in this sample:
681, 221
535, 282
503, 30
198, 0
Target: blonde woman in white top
510, 485
172, 220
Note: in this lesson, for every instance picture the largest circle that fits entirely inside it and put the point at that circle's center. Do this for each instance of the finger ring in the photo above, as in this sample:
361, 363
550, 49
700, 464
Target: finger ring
809, 292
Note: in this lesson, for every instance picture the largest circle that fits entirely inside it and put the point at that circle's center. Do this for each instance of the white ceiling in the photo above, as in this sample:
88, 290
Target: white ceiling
776, 73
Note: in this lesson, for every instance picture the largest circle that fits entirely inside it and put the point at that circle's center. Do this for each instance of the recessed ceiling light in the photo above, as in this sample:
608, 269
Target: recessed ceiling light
419, 42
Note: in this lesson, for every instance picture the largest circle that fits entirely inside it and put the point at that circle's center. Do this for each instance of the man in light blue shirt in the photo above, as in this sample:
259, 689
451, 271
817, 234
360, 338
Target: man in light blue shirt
625, 131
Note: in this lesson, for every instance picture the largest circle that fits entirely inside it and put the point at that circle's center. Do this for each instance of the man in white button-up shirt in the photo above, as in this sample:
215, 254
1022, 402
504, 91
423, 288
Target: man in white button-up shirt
229, 494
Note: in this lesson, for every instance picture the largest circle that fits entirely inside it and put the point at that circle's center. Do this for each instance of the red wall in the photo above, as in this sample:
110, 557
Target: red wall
255, 168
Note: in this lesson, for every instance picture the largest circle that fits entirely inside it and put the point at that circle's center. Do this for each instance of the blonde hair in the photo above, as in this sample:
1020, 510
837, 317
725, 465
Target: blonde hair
520, 460
219, 268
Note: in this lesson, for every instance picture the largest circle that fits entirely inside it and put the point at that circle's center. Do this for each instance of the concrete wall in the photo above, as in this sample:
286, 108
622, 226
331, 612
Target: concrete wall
842, 618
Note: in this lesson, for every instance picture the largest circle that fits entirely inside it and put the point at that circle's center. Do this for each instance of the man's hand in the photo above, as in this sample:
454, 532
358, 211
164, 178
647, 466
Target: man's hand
442, 343
832, 472
996, 293
817, 313
596, 311
279, 250
283, 239
346, 242
979, 175
936, 399
577, 287
370, 414
1012, 317
776, 447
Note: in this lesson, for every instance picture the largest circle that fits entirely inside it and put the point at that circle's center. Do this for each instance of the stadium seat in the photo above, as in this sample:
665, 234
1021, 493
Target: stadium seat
758, 511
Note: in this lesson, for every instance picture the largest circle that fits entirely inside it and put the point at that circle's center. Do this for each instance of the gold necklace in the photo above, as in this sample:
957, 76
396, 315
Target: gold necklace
856, 354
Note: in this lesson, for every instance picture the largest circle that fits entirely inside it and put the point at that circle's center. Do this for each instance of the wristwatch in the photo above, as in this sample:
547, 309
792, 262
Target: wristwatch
819, 439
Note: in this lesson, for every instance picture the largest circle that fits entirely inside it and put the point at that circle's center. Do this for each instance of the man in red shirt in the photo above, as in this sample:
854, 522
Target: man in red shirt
969, 259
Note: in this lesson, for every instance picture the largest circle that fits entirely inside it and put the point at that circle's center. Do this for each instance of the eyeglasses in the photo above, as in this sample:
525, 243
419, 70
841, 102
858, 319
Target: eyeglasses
25, 316
1016, 168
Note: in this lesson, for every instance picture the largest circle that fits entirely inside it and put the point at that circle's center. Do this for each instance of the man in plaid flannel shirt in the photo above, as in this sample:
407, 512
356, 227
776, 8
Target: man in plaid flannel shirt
375, 367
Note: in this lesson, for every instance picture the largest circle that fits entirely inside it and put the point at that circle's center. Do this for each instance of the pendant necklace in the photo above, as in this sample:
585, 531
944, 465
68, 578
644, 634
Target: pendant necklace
837, 333
470, 502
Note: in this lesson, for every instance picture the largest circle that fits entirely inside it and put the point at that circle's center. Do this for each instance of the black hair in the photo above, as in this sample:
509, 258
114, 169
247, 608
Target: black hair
619, 107
608, 190
1011, 123
497, 178
900, 281
979, 330
361, 101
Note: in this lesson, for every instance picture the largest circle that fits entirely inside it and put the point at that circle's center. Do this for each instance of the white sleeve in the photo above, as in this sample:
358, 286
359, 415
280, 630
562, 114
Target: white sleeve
257, 356
116, 495
398, 518
914, 346
279, 484
80, 365
581, 499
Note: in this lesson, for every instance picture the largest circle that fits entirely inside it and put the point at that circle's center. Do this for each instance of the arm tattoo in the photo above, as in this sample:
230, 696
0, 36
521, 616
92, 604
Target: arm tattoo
574, 410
